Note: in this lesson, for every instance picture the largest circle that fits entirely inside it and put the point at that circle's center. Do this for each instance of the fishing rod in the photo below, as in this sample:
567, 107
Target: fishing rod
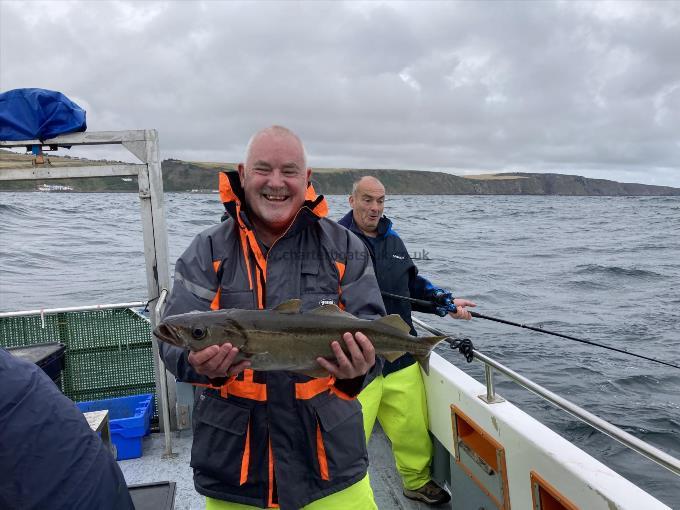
450, 307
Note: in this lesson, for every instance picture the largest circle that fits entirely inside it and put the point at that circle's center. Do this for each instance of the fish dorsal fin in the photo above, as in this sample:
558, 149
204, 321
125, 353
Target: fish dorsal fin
395, 321
290, 306
330, 309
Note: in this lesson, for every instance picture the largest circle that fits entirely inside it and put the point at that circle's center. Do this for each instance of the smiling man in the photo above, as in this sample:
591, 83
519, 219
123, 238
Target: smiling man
276, 439
274, 178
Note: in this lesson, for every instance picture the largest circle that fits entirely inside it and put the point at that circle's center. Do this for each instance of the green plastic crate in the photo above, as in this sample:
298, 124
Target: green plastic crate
108, 352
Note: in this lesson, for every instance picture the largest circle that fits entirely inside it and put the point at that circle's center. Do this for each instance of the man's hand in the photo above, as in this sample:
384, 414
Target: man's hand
217, 361
362, 356
461, 312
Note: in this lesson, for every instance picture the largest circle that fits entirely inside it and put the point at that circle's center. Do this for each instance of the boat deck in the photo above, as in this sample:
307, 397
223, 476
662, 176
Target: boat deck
152, 468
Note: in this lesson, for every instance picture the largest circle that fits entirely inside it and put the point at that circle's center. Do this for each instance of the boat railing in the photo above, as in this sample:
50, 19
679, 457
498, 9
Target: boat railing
143, 145
654, 454
86, 308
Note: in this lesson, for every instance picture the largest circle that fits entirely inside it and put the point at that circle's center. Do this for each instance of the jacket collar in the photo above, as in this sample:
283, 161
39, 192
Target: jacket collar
384, 224
233, 198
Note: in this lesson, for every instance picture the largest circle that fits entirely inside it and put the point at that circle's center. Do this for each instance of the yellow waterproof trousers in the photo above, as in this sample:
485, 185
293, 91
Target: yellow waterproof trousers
399, 403
357, 497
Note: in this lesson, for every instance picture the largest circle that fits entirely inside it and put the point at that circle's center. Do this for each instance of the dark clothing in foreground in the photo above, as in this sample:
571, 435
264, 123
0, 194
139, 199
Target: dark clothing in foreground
49, 456
397, 274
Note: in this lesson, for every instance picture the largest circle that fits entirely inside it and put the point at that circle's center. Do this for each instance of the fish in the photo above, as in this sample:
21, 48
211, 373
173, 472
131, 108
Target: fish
284, 338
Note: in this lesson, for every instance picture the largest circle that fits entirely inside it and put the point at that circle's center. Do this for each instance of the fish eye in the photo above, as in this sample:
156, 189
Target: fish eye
198, 333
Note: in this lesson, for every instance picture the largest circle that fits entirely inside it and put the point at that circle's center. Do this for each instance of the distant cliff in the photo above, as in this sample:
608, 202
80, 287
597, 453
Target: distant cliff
182, 176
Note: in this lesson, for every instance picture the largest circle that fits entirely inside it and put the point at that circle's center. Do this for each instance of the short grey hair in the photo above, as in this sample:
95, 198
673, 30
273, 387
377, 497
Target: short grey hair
279, 131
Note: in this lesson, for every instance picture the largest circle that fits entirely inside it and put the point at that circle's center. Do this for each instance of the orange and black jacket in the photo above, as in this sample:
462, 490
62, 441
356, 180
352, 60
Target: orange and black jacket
274, 439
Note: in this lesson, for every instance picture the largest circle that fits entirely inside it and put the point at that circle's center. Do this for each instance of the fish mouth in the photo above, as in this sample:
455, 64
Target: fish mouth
166, 334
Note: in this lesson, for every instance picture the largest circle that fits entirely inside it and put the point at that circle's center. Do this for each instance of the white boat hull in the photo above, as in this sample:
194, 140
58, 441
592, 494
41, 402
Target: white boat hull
579, 480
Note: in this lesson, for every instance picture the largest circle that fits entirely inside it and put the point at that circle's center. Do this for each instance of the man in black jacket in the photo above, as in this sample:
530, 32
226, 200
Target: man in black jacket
49, 456
397, 397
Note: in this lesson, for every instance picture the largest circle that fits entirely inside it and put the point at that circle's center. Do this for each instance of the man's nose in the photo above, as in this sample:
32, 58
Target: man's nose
276, 178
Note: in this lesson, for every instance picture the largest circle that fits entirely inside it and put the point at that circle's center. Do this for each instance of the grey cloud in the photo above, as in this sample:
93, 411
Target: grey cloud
540, 86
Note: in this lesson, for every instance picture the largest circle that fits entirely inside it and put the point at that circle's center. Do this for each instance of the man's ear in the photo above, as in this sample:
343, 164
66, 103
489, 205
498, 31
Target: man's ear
351, 200
241, 172
309, 175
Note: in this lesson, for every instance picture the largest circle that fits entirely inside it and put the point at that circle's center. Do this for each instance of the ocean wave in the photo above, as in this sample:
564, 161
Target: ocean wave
650, 382
587, 285
201, 222
524, 212
15, 210
639, 381
616, 271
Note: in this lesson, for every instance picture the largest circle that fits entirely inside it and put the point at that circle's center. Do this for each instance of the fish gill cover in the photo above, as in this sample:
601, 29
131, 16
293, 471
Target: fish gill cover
38, 114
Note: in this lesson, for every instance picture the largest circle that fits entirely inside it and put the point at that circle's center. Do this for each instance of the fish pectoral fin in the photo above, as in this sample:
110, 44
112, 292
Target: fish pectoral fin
330, 309
313, 372
290, 306
392, 356
396, 322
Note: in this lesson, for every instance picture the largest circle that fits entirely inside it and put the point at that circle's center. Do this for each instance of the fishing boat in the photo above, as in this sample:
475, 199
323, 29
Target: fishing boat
488, 452
53, 188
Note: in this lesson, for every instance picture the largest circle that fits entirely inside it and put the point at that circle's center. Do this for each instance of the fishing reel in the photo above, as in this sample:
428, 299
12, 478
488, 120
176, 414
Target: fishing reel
442, 302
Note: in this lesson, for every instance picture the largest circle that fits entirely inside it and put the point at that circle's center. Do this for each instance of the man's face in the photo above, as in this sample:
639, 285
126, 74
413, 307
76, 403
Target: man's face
274, 180
368, 203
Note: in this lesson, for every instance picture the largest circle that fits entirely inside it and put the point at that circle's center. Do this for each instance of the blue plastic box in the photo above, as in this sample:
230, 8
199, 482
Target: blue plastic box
128, 419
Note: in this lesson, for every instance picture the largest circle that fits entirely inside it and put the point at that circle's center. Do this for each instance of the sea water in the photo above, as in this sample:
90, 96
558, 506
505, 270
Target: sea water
606, 269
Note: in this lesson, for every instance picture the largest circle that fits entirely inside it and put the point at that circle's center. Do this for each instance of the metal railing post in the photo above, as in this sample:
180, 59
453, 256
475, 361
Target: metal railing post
490, 397
488, 374
165, 408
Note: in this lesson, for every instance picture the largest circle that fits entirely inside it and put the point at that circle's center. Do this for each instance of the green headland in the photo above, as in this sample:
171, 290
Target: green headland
191, 176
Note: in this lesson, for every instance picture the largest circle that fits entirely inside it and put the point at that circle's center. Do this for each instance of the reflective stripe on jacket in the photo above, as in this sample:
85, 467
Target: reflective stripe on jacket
274, 438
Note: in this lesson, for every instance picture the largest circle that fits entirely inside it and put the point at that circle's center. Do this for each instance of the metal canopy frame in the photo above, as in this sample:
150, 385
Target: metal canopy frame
143, 144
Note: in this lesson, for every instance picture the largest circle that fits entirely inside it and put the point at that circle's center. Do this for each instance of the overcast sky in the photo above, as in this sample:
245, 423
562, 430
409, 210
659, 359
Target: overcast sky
570, 87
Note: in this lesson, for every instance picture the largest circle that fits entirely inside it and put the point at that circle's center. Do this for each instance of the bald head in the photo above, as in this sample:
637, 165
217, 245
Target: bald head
368, 202
281, 134
367, 182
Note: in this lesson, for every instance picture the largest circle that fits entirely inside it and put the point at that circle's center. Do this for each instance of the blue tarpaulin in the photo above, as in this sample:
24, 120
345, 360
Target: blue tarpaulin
38, 114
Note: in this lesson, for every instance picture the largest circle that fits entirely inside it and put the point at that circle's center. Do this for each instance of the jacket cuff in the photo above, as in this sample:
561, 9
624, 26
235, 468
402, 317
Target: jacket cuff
218, 381
348, 389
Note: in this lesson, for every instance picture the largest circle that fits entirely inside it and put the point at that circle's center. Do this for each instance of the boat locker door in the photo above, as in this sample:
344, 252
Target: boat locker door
478, 472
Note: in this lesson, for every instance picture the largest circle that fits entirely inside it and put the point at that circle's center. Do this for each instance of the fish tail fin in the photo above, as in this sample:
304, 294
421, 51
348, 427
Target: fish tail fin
424, 359
431, 340
424, 362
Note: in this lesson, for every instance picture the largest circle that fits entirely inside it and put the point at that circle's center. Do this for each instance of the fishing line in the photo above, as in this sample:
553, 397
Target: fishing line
452, 308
